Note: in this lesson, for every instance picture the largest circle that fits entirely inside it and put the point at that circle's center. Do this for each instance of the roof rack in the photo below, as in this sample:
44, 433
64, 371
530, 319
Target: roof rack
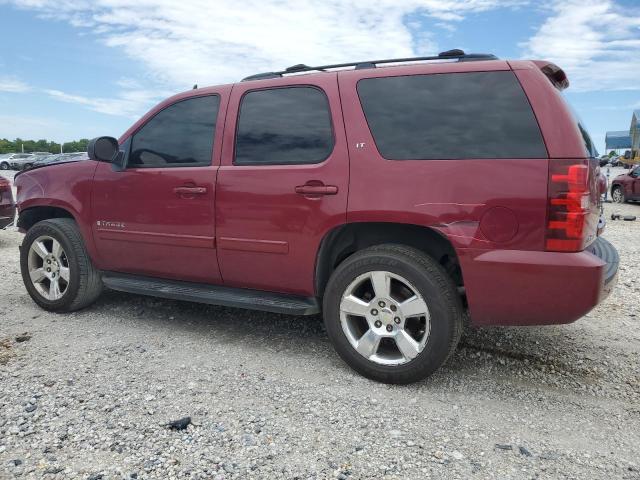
455, 54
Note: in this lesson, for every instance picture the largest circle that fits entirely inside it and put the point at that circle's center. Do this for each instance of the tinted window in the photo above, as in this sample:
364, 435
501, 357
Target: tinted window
179, 135
284, 126
448, 116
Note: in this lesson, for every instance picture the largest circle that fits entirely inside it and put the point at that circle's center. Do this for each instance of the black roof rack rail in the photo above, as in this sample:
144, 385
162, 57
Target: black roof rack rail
455, 54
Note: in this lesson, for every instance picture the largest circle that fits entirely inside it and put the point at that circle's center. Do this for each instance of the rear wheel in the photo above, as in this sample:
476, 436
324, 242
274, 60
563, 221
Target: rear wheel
392, 313
27, 166
617, 195
56, 269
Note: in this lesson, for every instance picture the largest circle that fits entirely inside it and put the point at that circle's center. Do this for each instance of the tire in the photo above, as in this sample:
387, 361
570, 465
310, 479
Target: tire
443, 322
617, 194
4, 166
83, 283
27, 166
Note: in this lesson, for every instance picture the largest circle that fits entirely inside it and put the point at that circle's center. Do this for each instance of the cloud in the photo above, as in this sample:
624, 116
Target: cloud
128, 103
12, 85
198, 41
131, 101
595, 41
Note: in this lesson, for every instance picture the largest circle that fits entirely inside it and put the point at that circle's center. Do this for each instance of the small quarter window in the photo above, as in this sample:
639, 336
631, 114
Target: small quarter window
284, 126
181, 135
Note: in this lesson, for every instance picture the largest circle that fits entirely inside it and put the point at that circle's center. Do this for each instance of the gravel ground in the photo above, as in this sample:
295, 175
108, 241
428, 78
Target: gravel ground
88, 395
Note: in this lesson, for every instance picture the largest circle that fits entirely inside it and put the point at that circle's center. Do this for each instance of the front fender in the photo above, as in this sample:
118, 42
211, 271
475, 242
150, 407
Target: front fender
65, 186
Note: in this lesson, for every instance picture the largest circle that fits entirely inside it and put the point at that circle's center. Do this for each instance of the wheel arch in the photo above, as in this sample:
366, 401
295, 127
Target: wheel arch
346, 239
28, 217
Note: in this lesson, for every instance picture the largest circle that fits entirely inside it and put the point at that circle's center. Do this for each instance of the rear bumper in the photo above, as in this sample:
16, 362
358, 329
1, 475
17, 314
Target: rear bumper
513, 287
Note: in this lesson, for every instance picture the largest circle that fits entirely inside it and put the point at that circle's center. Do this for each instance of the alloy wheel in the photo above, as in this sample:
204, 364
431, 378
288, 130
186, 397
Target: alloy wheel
384, 318
48, 268
617, 195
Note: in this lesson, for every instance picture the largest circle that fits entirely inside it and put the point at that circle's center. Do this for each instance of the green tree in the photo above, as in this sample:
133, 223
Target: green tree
42, 145
7, 146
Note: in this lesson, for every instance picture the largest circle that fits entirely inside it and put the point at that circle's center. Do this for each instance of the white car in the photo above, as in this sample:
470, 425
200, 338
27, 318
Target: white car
6, 160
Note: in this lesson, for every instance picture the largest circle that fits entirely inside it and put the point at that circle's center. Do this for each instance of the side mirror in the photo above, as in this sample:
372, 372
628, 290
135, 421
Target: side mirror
103, 149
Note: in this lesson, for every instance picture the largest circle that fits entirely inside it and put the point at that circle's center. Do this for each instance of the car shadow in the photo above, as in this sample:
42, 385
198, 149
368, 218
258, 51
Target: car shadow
538, 357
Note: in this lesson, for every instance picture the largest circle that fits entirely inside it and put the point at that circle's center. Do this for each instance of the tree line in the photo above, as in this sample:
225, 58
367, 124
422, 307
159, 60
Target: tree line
17, 145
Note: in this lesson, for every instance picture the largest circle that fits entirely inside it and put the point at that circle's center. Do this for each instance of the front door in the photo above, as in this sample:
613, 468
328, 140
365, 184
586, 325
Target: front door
156, 217
283, 181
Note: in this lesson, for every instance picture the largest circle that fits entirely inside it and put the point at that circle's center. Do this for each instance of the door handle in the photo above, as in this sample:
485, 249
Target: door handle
190, 190
316, 189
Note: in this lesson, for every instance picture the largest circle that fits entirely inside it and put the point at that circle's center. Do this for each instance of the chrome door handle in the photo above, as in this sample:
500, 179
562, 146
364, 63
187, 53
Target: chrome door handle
317, 189
190, 190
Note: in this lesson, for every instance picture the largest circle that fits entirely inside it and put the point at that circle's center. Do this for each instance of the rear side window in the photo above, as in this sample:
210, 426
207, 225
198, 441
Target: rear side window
451, 116
181, 135
284, 126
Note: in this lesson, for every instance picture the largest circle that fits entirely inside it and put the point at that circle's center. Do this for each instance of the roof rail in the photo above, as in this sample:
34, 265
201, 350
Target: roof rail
455, 54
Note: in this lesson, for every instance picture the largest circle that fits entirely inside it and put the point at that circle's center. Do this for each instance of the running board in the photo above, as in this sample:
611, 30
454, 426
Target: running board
212, 294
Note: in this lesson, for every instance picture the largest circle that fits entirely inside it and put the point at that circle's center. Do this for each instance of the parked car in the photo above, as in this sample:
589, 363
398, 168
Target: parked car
27, 162
7, 205
24, 163
59, 157
626, 187
6, 161
399, 201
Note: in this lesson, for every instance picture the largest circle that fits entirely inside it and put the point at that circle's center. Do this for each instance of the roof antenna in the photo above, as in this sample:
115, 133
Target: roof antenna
195, 87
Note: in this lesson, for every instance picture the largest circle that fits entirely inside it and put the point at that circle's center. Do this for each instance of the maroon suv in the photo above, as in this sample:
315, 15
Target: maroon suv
7, 207
396, 199
626, 186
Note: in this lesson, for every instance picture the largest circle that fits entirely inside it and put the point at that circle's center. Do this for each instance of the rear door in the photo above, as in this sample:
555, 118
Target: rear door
156, 217
283, 181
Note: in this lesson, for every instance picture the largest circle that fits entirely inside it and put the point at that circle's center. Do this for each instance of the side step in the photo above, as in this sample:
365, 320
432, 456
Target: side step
212, 294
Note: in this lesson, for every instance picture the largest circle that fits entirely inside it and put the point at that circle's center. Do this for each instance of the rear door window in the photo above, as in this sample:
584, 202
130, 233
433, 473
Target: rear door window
451, 116
284, 126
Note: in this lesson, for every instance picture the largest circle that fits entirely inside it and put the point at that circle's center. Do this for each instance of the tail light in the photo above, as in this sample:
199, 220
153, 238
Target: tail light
568, 207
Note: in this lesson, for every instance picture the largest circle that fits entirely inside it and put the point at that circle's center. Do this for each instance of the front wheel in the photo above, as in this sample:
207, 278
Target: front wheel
4, 166
392, 313
56, 269
617, 195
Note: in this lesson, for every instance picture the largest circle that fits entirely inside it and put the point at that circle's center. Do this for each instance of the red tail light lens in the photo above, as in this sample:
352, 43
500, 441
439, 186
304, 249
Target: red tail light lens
568, 205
